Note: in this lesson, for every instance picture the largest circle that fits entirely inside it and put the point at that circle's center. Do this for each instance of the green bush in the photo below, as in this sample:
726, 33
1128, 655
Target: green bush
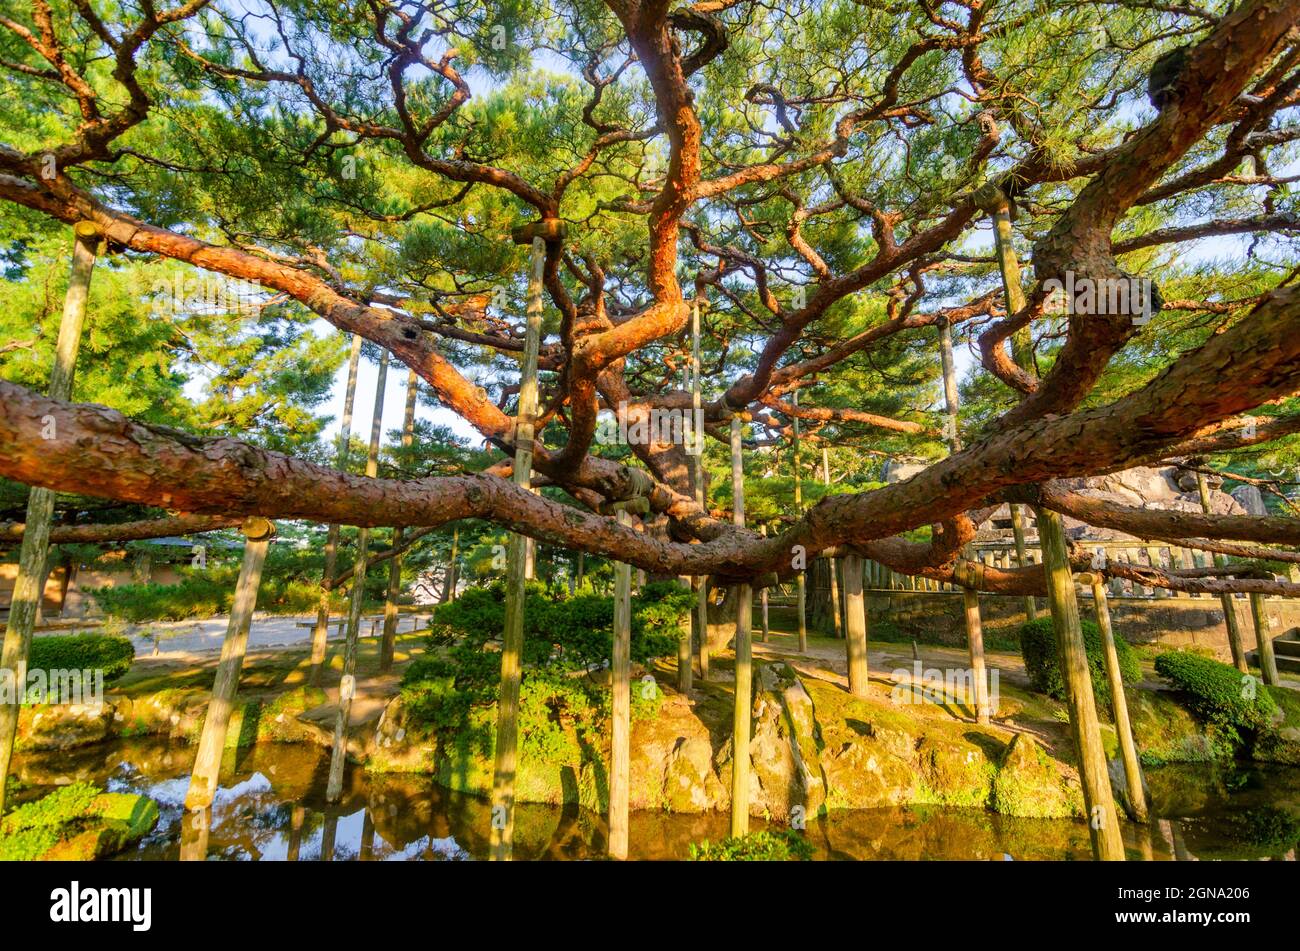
1038, 648
202, 595
1219, 693
784, 846
563, 635
82, 652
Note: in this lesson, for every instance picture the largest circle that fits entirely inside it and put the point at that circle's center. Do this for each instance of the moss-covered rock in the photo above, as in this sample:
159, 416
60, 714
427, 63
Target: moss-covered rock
75, 823
1030, 784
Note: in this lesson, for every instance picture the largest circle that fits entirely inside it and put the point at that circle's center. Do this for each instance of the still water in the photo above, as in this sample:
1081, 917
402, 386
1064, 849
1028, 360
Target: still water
271, 807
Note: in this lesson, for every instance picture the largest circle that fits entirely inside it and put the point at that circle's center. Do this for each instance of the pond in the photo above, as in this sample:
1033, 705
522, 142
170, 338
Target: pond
271, 807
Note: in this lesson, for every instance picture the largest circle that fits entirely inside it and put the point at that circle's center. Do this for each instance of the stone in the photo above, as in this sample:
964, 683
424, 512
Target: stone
1251, 499
1030, 784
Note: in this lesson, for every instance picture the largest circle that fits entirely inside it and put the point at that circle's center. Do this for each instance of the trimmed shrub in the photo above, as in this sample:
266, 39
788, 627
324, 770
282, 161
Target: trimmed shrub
1038, 648
1218, 693
82, 652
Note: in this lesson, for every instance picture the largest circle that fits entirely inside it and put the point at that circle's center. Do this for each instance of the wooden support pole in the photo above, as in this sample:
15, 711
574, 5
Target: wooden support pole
1022, 559
29, 585
1119, 704
855, 626
740, 723
1103, 823
697, 431
389, 641
320, 633
356, 599
212, 742
975, 647
1263, 638
453, 571
621, 707
800, 581
835, 585
512, 639
1230, 621
766, 626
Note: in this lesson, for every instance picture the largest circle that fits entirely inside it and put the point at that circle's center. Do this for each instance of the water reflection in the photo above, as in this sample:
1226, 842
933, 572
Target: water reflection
271, 807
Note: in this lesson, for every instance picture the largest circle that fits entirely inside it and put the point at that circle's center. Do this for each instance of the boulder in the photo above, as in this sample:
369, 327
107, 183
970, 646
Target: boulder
1251, 499
1030, 783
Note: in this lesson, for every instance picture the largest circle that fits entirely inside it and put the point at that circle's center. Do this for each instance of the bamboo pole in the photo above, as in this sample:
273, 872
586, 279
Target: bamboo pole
702, 582
512, 639
212, 743
320, 633
1103, 823
621, 707
1263, 639
389, 641
25, 601
1119, 704
740, 723
801, 583
1230, 621
855, 626
356, 599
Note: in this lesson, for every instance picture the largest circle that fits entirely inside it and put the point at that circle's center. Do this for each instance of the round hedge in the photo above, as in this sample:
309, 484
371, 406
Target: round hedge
1038, 648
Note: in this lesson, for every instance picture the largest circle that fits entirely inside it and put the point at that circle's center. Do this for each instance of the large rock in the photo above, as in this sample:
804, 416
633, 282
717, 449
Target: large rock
1251, 499
1030, 783
785, 773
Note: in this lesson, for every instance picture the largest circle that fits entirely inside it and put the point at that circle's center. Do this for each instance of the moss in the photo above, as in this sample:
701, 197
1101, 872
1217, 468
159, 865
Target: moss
1166, 732
1030, 784
75, 823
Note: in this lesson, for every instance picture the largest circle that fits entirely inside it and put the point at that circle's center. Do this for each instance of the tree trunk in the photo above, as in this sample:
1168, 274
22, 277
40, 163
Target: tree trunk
25, 602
